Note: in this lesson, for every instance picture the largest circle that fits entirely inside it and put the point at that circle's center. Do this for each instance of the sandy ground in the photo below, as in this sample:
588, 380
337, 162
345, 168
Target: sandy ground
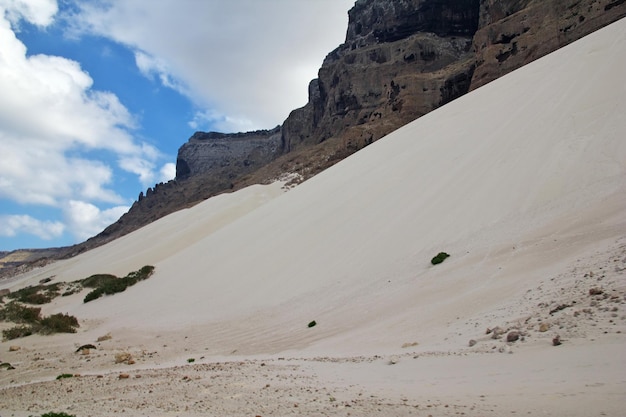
581, 377
522, 181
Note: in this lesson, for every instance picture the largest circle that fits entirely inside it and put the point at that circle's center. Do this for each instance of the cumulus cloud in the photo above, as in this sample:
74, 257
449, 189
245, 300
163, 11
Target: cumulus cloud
85, 220
60, 139
247, 61
167, 172
17, 224
152, 67
38, 12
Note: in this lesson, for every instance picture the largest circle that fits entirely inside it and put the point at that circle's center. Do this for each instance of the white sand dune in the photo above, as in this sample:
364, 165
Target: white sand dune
522, 182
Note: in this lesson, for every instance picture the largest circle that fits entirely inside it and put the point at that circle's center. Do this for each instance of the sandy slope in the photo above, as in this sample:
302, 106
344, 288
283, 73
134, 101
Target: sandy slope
523, 182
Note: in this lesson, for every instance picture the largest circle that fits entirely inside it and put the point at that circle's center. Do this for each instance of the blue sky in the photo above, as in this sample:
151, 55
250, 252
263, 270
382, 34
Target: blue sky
97, 96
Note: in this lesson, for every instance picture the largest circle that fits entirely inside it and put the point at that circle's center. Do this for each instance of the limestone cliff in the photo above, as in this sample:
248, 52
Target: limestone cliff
401, 59
227, 155
514, 33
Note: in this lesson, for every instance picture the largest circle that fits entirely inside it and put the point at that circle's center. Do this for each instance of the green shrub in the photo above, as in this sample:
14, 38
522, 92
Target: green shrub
53, 414
441, 256
58, 323
97, 280
18, 313
109, 284
191, 360
31, 322
17, 332
63, 376
38, 294
312, 324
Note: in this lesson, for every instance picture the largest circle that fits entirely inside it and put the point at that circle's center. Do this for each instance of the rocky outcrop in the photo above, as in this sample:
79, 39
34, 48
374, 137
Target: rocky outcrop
400, 60
227, 155
514, 33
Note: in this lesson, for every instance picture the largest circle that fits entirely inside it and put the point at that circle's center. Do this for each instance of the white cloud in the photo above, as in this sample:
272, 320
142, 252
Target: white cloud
168, 172
220, 122
150, 67
249, 61
38, 12
85, 220
13, 225
59, 138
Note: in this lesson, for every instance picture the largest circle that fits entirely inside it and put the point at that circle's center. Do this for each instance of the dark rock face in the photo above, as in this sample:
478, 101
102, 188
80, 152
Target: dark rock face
514, 33
381, 21
227, 155
401, 59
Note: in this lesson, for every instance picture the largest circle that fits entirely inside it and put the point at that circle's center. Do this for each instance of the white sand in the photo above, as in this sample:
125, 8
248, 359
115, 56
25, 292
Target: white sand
522, 181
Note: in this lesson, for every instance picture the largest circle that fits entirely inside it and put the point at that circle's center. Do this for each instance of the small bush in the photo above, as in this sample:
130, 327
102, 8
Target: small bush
17, 332
59, 323
31, 322
191, 360
18, 313
63, 376
38, 294
53, 414
97, 280
312, 324
109, 284
441, 256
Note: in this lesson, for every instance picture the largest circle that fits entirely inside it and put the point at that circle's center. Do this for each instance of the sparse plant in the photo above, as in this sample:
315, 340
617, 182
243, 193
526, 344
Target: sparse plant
18, 313
31, 322
441, 256
38, 294
17, 332
97, 280
55, 414
109, 284
191, 360
64, 376
59, 323
312, 324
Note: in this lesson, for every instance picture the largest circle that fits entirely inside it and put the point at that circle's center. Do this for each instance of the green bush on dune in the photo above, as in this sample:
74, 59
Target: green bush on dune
110, 284
441, 256
31, 322
38, 294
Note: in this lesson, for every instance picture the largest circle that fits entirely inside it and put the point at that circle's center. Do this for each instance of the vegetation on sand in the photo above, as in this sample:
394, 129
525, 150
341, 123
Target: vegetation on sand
30, 321
110, 284
441, 256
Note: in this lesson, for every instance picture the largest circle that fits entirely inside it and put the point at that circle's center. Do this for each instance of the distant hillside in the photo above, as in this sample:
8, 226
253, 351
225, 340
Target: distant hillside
400, 60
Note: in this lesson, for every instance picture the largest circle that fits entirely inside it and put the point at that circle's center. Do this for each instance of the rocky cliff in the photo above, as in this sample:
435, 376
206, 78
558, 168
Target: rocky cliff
401, 59
514, 33
227, 155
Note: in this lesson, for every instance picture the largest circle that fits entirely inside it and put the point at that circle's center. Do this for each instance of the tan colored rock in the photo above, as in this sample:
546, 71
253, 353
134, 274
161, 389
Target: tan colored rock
105, 337
14, 348
123, 357
544, 327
